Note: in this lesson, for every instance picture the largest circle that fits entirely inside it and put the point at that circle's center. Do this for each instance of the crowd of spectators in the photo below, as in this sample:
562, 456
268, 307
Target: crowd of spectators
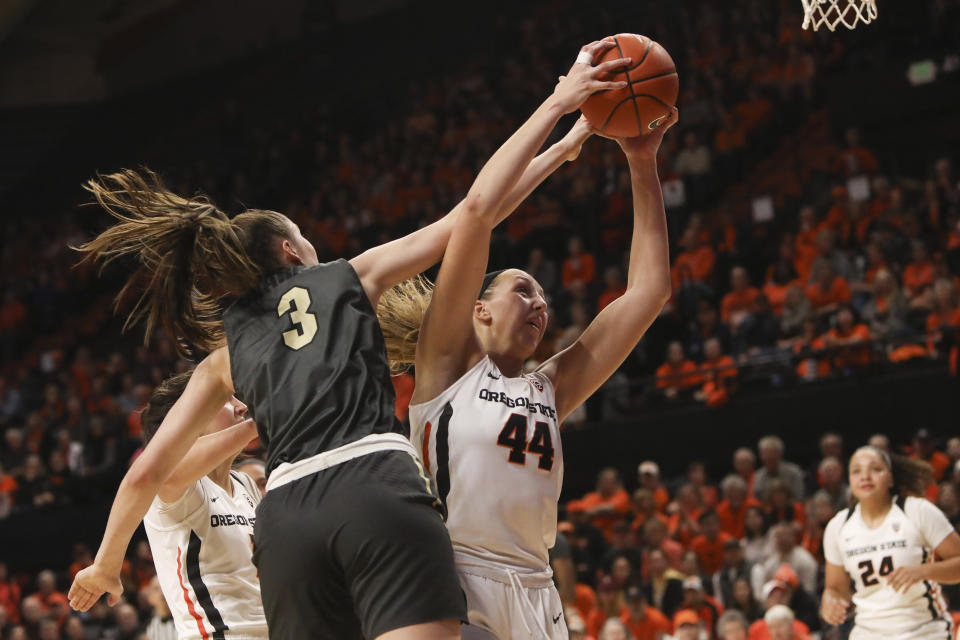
814, 289
738, 559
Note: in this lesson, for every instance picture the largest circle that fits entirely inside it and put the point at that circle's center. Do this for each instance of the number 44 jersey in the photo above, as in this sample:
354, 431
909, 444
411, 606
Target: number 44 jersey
493, 445
908, 536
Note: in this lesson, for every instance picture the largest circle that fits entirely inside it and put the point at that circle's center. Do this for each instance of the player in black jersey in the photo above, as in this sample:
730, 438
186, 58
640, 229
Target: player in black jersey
349, 539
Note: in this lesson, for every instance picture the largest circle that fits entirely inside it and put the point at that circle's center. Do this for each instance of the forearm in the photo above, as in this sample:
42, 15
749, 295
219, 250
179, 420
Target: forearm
536, 172
943, 571
649, 264
208, 452
501, 174
134, 497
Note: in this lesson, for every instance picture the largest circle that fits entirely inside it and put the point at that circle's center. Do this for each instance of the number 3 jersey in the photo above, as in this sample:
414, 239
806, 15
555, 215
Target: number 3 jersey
493, 445
907, 537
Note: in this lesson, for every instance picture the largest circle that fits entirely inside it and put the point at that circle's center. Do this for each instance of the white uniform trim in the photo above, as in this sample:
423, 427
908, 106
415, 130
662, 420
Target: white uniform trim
287, 472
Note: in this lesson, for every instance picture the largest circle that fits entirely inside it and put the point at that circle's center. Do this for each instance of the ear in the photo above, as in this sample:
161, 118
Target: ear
289, 254
481, 312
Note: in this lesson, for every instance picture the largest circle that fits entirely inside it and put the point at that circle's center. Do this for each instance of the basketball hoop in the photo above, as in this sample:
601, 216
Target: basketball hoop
836, 12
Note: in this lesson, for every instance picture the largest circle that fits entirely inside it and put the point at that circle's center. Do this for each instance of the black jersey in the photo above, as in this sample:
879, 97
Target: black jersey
308, 358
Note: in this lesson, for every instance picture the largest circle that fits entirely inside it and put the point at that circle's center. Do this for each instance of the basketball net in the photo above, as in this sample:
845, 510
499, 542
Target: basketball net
836, 12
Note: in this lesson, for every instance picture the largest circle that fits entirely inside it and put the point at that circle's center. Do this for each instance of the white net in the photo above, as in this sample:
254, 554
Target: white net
831, 13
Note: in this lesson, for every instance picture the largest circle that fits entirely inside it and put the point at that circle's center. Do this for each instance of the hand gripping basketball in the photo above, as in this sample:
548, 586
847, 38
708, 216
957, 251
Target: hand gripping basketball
583, 80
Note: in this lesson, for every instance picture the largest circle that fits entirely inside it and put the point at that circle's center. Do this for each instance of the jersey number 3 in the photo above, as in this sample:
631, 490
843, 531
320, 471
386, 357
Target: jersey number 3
296, 301
514, 437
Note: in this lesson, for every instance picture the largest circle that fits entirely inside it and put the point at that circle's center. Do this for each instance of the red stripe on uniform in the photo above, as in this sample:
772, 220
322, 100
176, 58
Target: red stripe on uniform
186, 597
426, 446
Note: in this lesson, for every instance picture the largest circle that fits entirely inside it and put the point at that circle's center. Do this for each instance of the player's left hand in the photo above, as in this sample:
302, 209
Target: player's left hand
647, 144
905, 577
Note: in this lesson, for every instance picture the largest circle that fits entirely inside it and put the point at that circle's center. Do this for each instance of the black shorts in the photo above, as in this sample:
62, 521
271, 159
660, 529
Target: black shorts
354, 551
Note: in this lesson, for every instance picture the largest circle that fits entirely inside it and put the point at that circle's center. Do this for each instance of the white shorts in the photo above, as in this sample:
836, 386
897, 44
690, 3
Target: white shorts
933, 630
502, 605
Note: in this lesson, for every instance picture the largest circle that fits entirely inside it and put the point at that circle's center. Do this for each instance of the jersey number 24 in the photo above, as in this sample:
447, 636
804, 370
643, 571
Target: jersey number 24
514, 437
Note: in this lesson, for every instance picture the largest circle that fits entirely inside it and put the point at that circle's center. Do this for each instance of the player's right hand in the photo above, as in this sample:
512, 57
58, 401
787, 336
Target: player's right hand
578, 134
583, 80
833, 609
90, 584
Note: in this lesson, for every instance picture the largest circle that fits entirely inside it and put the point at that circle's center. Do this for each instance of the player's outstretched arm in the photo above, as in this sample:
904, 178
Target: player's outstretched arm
206, 454
209, 388
497, 184
443, 352
581, 368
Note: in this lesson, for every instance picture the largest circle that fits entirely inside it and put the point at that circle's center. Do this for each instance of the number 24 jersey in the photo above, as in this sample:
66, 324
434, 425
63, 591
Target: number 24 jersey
493, 445
907, 537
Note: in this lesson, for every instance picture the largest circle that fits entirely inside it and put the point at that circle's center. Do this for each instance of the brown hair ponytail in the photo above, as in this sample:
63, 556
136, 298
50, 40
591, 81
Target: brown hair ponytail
910, 477
400, 311
190, 254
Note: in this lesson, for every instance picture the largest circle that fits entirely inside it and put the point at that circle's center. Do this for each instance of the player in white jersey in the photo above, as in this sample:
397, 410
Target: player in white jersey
200, 527
490, 433
895, 549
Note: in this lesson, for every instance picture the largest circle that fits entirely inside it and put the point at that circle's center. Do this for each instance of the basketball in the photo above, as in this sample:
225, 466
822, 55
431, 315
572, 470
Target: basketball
646, 100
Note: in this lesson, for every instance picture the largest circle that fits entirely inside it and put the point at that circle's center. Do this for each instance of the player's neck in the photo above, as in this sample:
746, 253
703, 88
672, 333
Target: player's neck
874, 511
221, 476
509, 366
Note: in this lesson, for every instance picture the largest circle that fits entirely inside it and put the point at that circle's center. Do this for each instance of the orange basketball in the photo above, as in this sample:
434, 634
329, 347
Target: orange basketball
649, 96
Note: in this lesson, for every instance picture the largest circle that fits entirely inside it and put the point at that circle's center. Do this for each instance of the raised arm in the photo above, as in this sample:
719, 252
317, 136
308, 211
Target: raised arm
206, 454
443, 351
383, 266
581, 368
209, 388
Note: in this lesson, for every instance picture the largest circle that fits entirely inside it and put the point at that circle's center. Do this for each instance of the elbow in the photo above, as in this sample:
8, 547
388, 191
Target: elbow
479, 208
142, 477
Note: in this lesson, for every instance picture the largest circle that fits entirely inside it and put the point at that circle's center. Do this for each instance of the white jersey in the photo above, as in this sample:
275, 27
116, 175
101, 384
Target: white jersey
202, 547
908, 535
493, 445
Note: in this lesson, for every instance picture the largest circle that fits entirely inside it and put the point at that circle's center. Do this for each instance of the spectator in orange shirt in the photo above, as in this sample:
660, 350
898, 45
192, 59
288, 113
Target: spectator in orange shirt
697, 476
696, 600
643, 621
655, 539
644, 509
923, 449
733, 509
615, 287
610, 502
684, 512
828, 290
648, 476
718, 373
579, 266
918, 275
805, 242
677, 374
609, 605
855, 159
9, 594
781, 275
848, 334
54, 603
697, 258
709, 544
738, 303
